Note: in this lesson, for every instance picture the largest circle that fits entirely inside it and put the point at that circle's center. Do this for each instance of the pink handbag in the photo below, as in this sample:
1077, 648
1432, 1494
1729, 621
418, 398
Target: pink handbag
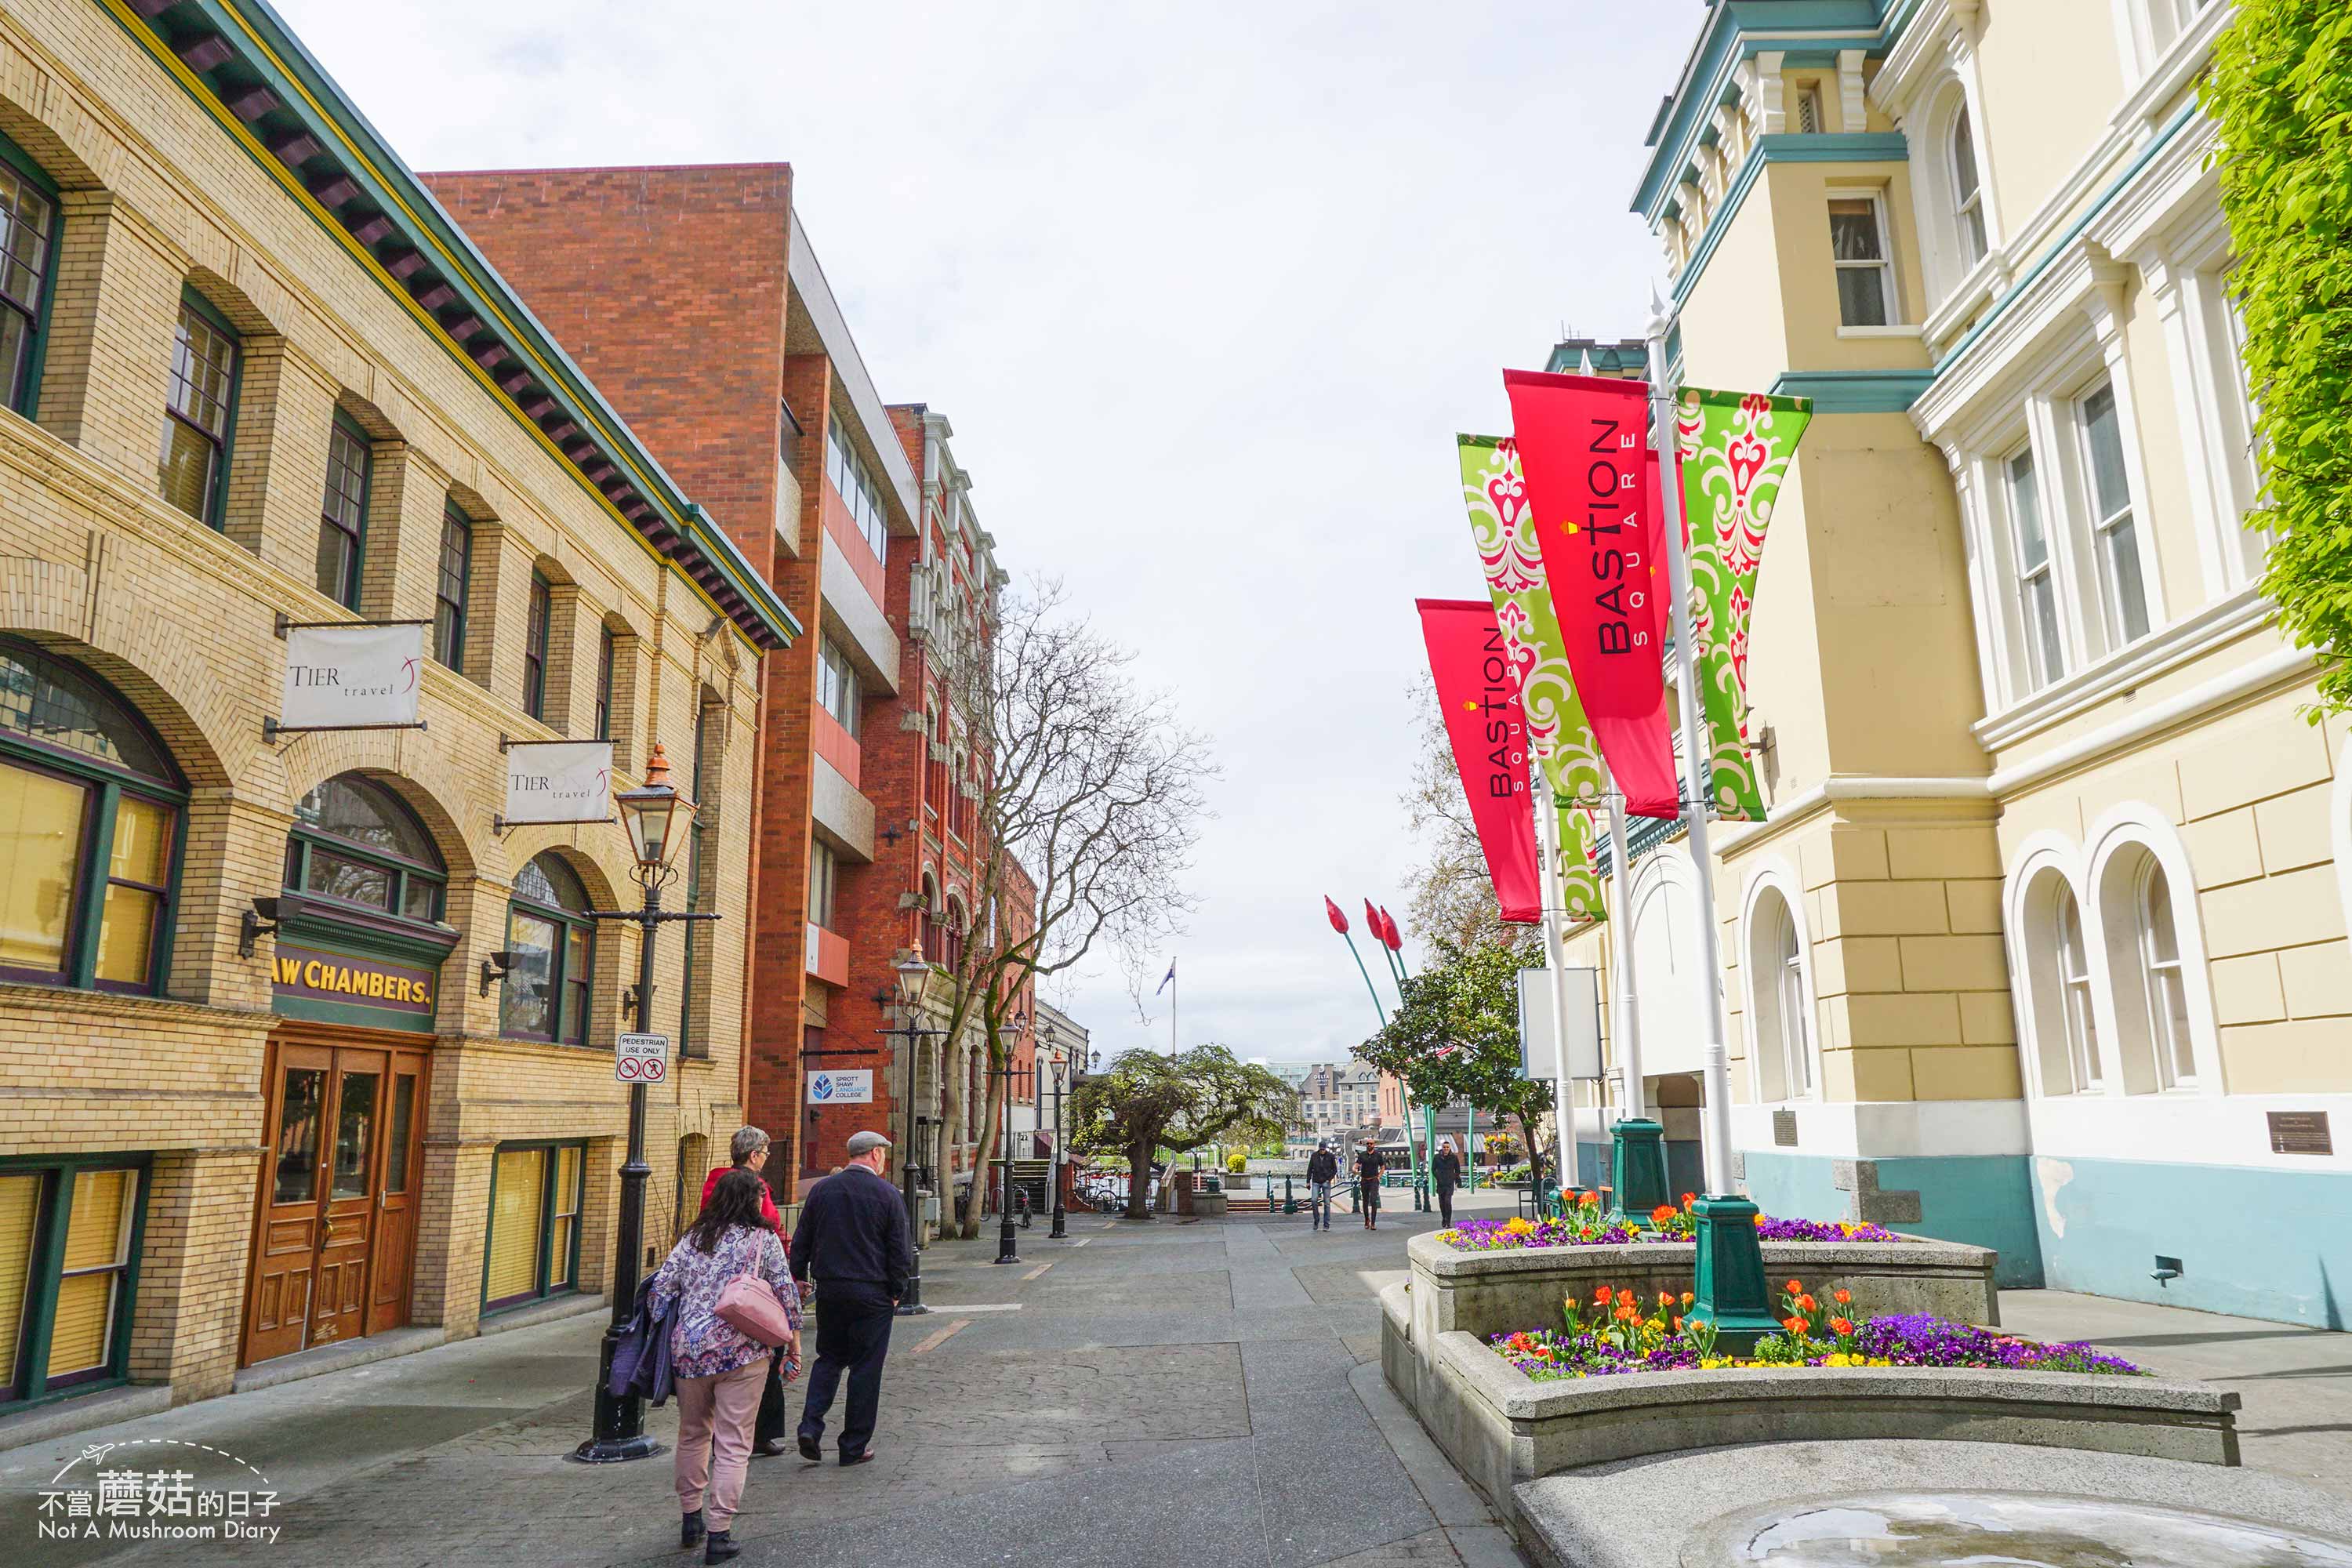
749, 1305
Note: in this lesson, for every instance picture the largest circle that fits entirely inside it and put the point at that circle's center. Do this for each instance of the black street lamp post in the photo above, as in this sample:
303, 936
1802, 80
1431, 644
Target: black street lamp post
648, 812
1061, 1066
1009, 1034
913, 971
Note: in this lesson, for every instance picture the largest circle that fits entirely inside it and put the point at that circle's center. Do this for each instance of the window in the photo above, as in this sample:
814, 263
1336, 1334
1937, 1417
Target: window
2075, 984
1865, 280
824, 872
69, 1235
534, 647
552, 937
449, 588
29, 227
90, 813
1968, 197
837, 689
198, 412
2117, 539
2167, 999
1808, 110
604, 655
536, 1192
356, 841
858, 490
342, 516
2037, 592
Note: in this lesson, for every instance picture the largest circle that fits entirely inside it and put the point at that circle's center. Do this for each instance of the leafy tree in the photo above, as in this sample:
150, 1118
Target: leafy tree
1144, 1101
1457, 1035
2281, 91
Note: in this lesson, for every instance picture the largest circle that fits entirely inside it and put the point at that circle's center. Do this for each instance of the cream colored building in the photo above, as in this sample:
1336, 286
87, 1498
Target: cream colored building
2043, 943
255, 378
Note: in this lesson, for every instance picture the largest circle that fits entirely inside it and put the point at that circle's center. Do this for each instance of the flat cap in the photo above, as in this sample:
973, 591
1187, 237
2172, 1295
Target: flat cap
861, 1141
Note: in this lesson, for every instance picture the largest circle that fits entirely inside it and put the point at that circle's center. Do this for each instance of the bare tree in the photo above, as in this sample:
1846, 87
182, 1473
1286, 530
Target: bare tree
1088, 803
1450, 899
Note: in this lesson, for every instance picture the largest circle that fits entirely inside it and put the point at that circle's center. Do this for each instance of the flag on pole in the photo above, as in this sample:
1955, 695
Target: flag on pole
1558, 733
1582, 443
1733, 449
1479, 698
1169, 979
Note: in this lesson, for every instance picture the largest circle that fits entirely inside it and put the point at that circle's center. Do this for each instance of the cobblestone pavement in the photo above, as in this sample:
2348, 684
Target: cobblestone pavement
1162, 1393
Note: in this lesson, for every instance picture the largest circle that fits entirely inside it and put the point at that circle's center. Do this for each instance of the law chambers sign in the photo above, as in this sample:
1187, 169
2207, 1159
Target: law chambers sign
352, 676
558, 781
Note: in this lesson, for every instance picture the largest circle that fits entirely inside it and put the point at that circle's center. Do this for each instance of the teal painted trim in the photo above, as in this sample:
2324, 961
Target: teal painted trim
2253, 1241
354, 1014
2058, 246
1723, 44
24, 163
1870, 147
1856, 391
268, 50
316, 928
1839, 147
1983, 1200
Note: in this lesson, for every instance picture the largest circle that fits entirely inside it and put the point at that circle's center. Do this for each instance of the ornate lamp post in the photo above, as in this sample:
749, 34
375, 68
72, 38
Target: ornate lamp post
1061, 1068
650, 813
913, 974
1009, 1034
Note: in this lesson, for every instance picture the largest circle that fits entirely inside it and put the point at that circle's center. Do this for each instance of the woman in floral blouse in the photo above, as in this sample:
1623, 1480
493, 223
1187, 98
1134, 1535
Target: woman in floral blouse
719, 1370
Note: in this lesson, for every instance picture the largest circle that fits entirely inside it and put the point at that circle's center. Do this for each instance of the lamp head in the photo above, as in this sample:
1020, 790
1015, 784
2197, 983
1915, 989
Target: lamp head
650, 811
913, 972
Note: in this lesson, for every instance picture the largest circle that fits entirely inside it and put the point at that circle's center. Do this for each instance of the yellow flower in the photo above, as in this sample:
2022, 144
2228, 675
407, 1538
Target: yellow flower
1518, 1227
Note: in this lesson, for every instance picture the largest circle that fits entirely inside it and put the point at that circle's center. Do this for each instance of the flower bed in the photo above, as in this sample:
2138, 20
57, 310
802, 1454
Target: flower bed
1586, 1224
1616, 1333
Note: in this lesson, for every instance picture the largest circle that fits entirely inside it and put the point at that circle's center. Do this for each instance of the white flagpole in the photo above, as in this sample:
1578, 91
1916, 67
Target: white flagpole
1555, 922
1627, 1014
1698, 767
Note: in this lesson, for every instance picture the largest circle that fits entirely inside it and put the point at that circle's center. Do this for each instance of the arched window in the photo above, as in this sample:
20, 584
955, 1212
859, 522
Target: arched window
928, 928
952, 942
355, 840
554, 940
1783, 1020
89, 825
2167, 997
1968, 196
2055, 999
2080, 1020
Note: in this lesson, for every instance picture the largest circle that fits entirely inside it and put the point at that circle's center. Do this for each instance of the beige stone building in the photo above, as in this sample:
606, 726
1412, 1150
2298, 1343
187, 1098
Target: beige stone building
254, 378
2043, 943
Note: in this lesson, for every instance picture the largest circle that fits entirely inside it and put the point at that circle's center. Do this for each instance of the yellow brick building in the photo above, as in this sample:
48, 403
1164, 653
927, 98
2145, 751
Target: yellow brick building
255, 378
2043, 943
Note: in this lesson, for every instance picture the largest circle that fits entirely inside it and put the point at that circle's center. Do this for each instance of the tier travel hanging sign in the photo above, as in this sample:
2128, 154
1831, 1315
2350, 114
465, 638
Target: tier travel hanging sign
1582, 443
350, 675
1733, 449
558, 781
1479, 694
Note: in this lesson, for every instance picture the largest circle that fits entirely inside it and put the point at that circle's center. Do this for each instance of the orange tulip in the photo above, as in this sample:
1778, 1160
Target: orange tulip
1603, 1296
1794, 1325
1624, 1298
1806, 1303
1689, 1198
1627, 1315
1677, 1325
1666, 1299
1796, 1287
1843, 1325
1842, 1296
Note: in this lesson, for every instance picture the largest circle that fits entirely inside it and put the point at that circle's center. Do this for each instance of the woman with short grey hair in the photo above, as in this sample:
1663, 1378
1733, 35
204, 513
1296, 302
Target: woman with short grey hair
749, 1151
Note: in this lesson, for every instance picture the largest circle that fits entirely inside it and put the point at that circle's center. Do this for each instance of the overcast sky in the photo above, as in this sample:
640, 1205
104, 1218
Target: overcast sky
1204, 289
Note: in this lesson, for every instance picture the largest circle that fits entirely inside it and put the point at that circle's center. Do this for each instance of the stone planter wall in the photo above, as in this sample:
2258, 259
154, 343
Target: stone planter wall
1488, 1293
1501, 1427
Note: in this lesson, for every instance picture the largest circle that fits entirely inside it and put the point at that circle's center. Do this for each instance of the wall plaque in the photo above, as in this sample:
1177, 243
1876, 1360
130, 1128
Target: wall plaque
2300, 1133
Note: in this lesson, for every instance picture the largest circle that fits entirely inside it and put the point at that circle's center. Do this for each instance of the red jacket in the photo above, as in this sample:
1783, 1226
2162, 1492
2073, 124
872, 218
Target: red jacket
767, 1203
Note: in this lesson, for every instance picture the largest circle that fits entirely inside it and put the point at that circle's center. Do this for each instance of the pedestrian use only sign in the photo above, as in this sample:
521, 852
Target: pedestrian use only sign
641, 1058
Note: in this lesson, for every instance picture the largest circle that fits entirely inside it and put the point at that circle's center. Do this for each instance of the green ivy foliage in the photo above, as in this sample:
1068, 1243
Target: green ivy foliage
2281, 91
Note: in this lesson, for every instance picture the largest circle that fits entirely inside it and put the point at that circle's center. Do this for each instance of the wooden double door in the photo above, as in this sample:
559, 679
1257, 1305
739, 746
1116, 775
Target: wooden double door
335, 1229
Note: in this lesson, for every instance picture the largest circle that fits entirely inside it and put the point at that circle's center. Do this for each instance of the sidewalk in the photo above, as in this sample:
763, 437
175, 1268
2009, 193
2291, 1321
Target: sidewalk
1205, 1393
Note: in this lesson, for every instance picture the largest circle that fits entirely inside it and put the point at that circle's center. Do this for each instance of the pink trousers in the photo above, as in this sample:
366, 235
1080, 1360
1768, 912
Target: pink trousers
714, 1418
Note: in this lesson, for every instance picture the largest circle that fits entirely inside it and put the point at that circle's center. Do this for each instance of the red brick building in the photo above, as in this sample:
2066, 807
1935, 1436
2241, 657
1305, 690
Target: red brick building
692, 297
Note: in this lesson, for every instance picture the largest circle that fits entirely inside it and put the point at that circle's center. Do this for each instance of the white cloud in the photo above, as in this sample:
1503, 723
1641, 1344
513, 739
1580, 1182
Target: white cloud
1206, 291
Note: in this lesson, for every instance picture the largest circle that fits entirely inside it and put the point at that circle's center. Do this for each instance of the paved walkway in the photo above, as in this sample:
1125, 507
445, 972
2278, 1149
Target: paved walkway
1196, 1393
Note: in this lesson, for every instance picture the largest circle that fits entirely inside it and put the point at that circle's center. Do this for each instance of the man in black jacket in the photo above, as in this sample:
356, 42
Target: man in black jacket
1368, 1166
1322, 1170
852, 1240
1445, 1171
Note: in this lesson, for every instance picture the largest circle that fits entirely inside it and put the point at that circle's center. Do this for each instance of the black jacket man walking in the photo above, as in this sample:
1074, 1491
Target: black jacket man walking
852, 1240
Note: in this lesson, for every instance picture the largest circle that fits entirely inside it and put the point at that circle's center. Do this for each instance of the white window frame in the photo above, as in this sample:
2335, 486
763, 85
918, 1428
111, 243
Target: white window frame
2042, 663
2164, 980
1971, 222
1892, 292
2077, 1008
1777, 985
2107, 520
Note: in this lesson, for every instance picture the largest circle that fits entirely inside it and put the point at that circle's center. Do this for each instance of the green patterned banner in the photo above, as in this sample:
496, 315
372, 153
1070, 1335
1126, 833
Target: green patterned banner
1735, 448
1512, 559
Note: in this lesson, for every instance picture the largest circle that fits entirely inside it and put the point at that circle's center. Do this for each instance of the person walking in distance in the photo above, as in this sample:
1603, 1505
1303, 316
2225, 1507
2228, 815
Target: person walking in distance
1446, 1172
719, 1369
749, 1151
851, 1244
1322, 1170
1368, 1166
